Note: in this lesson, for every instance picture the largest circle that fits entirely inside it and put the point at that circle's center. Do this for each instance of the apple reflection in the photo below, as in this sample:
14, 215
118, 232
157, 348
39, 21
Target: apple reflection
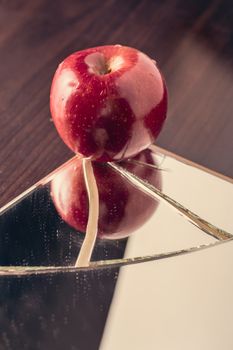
123, 207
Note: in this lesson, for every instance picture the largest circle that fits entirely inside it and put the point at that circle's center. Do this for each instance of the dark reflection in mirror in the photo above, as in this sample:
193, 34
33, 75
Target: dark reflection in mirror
66, 311
32, 233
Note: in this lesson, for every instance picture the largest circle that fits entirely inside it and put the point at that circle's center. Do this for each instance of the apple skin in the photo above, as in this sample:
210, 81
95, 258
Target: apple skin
108, 102
123, 208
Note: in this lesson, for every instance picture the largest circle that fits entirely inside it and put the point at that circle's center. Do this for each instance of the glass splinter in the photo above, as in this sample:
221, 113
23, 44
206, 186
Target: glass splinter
149, 189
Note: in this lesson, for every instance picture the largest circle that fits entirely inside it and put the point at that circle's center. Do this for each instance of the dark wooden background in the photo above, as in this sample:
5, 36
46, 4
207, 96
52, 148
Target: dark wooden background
191, 40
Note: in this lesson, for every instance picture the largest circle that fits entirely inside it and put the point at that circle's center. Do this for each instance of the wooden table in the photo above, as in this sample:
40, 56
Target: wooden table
191, 40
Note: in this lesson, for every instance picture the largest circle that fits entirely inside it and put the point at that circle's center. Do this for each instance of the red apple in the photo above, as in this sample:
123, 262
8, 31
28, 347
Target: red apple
123, 208
108, 102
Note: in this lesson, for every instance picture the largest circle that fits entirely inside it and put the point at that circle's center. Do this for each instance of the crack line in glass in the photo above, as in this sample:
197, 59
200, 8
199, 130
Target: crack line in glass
153, 192
221, 235
38, 270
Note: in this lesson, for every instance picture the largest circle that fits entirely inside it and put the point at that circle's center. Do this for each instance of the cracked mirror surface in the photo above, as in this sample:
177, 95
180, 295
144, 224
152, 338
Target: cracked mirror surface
143, 288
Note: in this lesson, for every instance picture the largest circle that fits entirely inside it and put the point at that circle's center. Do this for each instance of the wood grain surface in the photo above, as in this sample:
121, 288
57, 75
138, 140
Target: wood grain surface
192, 42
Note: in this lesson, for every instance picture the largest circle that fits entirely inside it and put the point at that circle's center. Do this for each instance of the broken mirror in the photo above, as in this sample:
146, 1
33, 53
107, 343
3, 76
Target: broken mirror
160, 272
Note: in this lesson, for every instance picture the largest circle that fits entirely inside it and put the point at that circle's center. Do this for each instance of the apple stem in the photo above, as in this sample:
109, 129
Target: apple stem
92, 223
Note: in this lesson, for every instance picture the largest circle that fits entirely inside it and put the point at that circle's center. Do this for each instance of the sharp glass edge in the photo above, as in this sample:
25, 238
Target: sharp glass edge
51, 175
153, 192
18, 271
221, 235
